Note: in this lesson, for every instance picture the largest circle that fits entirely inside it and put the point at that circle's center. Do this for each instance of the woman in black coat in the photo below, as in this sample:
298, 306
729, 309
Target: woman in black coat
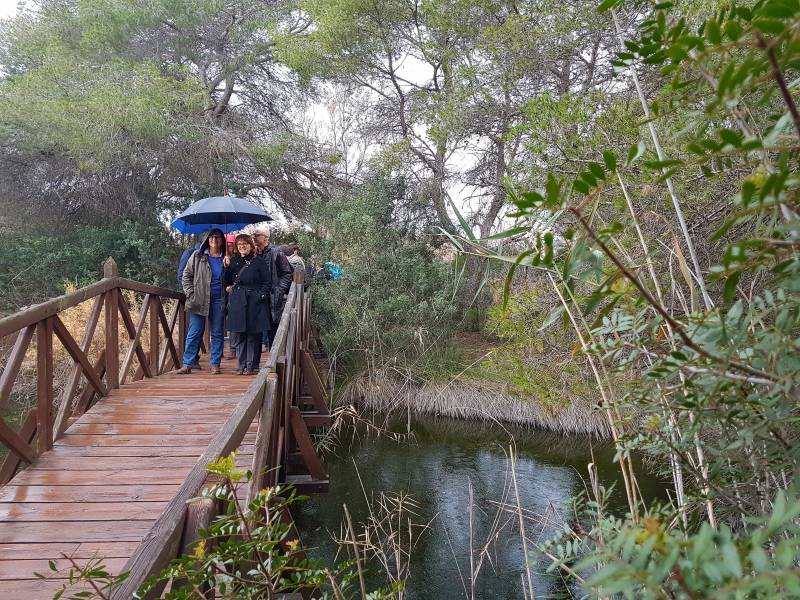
248, 281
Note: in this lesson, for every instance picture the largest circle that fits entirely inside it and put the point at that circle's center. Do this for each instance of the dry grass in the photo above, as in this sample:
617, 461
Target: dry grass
23, 396
473, 400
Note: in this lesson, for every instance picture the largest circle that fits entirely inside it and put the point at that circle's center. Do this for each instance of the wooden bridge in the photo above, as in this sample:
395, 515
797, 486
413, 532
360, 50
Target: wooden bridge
104, 468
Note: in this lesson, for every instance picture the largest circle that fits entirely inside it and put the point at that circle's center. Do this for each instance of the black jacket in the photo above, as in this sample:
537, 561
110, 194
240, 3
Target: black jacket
282, 274
248, 301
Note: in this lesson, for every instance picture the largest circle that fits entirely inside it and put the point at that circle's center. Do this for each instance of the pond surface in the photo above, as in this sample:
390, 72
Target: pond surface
437, 467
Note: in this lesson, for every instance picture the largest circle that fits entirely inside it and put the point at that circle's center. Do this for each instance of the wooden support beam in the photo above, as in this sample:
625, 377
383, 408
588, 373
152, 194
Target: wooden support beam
305, 484
155, 302
111, 331
134, 332
314, 382
306, 446
316, 420
180, 309
199, 515
263, 438
44, 384
85, 400
28, 433
15, 443
65, 402
72, 348
167, 327
13, 363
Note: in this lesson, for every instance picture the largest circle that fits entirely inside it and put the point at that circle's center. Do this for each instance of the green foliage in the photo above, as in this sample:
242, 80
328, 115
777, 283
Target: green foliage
248, 552
38, 264
395, 299
532, 361
92, 113
649, 559
718, 404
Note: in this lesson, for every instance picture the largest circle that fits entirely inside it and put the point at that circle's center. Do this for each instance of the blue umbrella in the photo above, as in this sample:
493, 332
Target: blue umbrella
228, 213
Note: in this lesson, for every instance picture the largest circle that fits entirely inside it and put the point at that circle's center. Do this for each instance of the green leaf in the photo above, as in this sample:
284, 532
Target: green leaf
713, 32
636, 152
554, 315
552, 191
777, 10
606, 4
507, 233
464, 225
610, 159
596, 170
730, 286
770, 26
734, 138
733, 30
730, 558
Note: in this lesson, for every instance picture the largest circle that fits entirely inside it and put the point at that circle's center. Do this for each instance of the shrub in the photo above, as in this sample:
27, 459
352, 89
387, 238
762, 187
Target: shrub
395, 299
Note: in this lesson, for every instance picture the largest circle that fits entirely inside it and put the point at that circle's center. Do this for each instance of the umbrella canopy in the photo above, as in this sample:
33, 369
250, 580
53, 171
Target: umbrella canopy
228, 213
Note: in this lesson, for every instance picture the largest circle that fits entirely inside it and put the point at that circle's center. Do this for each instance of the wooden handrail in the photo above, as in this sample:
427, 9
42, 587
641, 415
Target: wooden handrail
37, 312
162, 542
276, 394
44, 321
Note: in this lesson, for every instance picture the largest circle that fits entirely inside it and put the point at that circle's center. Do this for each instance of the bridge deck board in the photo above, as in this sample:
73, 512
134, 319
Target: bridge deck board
107, 480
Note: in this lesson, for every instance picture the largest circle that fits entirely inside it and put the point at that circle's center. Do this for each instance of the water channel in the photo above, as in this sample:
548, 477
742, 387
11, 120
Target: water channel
436, 467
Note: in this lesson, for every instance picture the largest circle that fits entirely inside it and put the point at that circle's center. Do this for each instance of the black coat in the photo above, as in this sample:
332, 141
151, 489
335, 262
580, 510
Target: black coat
248, 301
282, 273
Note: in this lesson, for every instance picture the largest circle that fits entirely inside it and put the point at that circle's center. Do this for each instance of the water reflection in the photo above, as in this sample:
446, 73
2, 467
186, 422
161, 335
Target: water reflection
446, 458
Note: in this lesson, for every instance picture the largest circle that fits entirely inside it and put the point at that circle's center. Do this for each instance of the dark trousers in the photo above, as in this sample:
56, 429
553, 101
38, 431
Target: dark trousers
248, 350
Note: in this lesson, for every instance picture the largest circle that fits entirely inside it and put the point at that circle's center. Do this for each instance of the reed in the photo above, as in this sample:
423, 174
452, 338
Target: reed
473, 400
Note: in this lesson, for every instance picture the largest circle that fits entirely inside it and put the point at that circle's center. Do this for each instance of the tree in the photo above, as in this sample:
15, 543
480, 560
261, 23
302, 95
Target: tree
161, 99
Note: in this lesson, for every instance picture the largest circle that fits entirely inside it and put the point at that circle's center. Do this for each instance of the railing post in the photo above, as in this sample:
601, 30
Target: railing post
154, 326
44, 384
111, 330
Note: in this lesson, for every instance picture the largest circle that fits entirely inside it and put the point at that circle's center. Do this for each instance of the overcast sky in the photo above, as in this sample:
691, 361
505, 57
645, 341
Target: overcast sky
7, 8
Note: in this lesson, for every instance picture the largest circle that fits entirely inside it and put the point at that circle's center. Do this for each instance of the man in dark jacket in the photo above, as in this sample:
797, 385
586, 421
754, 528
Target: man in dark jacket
185, 259
282, 274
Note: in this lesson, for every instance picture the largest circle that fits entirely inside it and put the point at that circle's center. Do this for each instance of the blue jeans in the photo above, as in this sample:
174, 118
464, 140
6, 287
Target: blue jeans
196, 327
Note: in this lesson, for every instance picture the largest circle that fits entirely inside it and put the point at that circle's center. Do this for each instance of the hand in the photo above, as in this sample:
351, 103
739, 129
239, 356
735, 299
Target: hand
229, 288
226, 261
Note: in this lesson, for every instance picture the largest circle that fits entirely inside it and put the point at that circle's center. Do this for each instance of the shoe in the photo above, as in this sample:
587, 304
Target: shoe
240, 371
215, 370
255, 372
184, 370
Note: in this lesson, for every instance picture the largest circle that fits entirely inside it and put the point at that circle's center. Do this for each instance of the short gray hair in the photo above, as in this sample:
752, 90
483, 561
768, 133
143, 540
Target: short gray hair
262, 231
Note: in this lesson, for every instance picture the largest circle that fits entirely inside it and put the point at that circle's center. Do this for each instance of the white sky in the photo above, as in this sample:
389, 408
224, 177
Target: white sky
7, 8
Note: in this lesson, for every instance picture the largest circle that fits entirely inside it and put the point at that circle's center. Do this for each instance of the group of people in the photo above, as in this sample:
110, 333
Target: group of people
242, 290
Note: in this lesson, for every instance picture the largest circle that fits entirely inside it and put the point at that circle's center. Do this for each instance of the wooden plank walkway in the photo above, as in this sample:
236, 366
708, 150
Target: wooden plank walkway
107, 480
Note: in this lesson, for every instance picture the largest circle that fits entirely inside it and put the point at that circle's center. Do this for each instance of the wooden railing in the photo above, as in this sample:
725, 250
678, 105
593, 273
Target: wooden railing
89, 375
288, 398
287, 395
